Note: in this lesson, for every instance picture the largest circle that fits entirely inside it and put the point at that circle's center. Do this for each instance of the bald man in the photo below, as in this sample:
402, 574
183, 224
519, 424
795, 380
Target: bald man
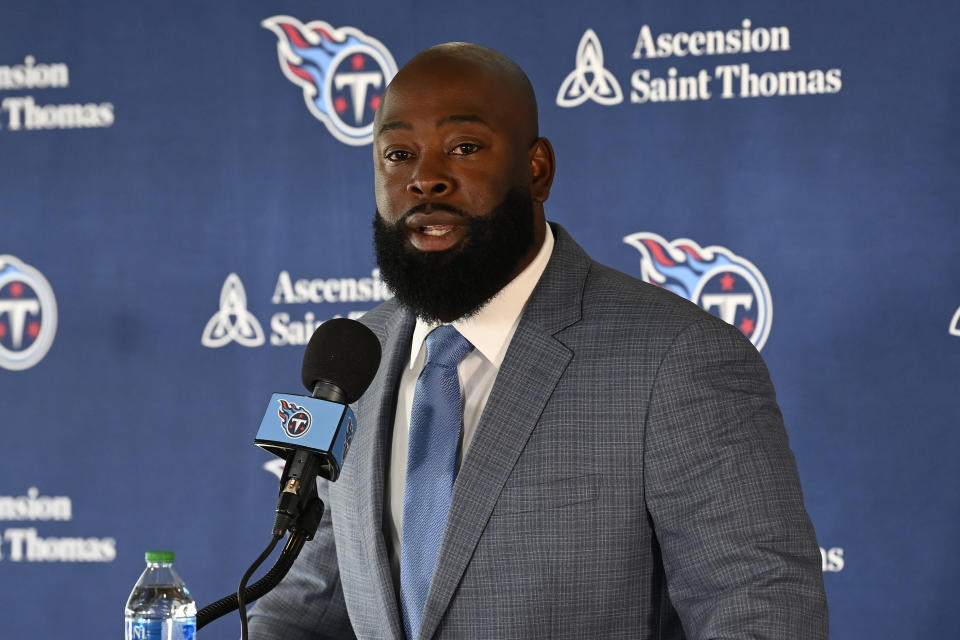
618, 465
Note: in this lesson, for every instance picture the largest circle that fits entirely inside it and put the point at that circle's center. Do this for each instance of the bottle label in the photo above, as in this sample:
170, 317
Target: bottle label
144, 629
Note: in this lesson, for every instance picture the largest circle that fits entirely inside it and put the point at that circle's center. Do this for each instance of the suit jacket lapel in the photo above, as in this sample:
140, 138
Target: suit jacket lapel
377, 407
533, 366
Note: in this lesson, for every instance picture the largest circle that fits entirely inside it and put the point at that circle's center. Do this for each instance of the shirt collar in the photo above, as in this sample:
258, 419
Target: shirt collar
491, 329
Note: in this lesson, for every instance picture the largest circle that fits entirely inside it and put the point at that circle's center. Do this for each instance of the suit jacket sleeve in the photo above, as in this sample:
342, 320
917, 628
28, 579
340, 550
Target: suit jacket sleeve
308, 603
738, 548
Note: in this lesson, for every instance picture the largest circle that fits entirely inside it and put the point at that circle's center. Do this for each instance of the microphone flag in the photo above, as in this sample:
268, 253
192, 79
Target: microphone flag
311, 424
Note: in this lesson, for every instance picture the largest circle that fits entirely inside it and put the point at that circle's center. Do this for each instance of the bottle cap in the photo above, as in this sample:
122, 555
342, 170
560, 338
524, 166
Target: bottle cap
159, 556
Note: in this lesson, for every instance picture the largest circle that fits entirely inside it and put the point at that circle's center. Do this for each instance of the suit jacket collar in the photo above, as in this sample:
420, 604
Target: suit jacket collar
556, 303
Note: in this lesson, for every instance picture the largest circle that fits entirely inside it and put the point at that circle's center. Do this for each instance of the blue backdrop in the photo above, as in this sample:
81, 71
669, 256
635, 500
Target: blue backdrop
186, 190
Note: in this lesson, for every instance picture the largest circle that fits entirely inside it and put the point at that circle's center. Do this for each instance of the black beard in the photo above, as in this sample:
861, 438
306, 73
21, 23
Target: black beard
446, 285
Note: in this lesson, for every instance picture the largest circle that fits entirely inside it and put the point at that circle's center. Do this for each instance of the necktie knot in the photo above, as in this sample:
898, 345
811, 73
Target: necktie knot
446, 346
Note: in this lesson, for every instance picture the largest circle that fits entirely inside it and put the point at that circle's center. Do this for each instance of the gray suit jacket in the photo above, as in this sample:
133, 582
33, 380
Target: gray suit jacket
630, 477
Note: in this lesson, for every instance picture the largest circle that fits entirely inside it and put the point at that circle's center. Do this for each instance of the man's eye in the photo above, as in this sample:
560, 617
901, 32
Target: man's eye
398, 155
465, 148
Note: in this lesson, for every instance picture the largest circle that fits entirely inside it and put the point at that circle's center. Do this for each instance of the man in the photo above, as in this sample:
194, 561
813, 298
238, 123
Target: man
622, 469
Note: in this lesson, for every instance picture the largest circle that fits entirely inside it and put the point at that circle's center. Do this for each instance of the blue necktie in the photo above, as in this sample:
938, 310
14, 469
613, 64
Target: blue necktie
435, 423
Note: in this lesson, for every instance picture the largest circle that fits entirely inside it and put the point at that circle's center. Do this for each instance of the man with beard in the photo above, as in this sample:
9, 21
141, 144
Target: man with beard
550, 449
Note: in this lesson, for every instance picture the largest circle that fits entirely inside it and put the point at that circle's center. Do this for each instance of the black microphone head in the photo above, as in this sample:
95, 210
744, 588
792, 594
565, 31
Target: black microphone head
344, 353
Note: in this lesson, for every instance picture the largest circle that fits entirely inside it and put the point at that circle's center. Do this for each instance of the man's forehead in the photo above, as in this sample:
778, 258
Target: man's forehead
438, 102
460, 62
459, 83
424, 110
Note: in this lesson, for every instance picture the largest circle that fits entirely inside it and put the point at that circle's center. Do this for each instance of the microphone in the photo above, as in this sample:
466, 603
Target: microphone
314, 433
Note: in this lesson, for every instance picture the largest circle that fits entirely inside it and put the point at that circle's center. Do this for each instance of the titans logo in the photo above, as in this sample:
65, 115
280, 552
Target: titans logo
28, 315
715, 278
343, 73
295, 420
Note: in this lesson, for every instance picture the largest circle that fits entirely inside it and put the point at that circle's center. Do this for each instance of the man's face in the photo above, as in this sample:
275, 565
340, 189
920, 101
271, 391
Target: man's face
454, 205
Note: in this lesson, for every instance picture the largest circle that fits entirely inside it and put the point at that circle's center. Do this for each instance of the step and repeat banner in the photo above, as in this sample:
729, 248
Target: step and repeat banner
186, 192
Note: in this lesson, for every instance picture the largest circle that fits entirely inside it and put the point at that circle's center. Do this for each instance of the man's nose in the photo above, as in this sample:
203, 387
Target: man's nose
430, 178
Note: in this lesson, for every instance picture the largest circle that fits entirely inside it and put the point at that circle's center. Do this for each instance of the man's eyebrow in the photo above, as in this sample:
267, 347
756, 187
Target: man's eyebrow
467, 117
393, 125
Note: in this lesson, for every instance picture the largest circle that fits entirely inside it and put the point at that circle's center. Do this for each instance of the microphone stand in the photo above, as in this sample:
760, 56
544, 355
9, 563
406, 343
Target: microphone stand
296, 512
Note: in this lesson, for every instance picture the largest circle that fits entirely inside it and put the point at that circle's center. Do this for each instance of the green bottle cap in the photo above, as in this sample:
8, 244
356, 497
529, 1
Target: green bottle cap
159, 556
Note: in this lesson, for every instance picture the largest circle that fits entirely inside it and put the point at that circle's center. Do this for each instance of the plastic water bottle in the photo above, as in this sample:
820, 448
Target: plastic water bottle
160, 606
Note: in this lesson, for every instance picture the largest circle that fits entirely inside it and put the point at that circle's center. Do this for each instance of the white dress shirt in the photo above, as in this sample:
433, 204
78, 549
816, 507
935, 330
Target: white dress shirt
490, 331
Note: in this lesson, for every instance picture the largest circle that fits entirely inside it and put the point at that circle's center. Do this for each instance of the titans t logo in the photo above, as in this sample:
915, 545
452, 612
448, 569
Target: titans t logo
294, 419
715, 278
343, 73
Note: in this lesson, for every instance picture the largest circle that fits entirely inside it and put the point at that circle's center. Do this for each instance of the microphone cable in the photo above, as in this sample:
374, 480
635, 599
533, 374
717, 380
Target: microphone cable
300, 534
241, 590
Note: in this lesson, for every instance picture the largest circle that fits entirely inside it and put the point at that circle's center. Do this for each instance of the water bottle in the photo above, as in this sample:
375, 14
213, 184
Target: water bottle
160, 606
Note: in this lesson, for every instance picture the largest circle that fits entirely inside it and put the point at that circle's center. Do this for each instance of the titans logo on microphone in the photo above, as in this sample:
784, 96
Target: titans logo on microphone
343, 73
295, 420
28, 315
715, 278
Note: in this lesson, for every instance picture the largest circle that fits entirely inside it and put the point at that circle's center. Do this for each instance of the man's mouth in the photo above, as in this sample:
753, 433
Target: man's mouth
423, 221
436, 229
436, 234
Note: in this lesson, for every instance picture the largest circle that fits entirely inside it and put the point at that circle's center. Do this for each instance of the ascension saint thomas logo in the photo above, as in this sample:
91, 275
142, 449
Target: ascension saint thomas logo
232, 322
589, 80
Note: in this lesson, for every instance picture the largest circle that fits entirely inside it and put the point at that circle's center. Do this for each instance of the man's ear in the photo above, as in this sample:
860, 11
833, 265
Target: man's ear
542, 167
